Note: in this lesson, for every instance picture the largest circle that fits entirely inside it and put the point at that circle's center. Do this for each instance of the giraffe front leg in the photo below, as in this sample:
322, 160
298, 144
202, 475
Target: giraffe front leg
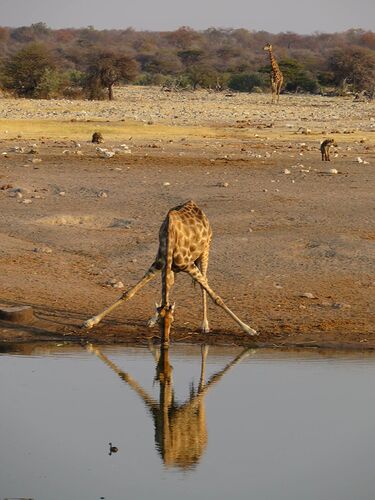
150, 275
197, 276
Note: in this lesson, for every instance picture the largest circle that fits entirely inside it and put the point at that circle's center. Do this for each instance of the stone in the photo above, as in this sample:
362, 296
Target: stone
19, 314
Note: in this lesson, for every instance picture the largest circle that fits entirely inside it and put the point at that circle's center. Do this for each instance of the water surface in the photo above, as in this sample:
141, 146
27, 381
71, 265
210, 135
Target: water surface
219, 424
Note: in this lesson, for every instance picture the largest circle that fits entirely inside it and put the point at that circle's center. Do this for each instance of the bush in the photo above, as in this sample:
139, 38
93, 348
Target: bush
151, 79
246, 82
24, 71
51, 84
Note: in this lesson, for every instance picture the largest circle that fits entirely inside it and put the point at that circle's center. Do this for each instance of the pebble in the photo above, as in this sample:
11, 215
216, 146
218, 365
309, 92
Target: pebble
42, 250
338, 305
333, 171
114, 283
308, 295
166, 183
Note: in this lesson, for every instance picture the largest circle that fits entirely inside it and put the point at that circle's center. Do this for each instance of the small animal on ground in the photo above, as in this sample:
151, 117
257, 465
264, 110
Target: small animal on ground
184, 244
97, 138
112, 449
325, 149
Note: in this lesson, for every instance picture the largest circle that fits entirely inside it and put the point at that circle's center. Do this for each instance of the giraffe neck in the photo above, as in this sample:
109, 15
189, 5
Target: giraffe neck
274, 65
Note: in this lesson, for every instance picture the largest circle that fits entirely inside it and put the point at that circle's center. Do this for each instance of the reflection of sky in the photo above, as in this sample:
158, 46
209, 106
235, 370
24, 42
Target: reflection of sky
277, 428
302, 16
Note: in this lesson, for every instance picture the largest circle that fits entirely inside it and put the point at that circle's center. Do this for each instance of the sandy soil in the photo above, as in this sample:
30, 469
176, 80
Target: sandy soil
73, 224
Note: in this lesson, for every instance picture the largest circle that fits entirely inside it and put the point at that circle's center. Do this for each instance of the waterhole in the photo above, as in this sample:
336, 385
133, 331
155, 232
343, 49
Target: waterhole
108, 422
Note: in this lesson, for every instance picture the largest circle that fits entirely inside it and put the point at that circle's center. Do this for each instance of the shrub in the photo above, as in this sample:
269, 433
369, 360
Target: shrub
26, 69
246, 82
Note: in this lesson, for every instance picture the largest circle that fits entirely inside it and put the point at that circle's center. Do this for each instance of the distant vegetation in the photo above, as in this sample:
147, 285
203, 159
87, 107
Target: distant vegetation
39, 62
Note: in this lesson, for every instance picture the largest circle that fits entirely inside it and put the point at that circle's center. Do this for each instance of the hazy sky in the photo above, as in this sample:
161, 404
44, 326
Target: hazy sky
301, 16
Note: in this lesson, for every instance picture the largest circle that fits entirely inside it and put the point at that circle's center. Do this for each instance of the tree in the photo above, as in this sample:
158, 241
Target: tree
355, 66
296, 77
107, 69
24, 71
202, 75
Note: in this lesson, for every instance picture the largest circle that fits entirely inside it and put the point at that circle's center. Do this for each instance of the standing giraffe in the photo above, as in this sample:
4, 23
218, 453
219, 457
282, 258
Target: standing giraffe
276, 75
184, 244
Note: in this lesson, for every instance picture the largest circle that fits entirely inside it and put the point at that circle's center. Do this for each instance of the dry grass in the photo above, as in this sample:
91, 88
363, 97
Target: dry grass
77, 130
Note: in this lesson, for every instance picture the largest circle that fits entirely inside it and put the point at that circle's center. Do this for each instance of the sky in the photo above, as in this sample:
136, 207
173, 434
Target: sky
300, 16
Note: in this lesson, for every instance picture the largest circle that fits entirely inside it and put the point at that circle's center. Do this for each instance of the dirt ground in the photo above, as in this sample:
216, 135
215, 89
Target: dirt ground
293, 246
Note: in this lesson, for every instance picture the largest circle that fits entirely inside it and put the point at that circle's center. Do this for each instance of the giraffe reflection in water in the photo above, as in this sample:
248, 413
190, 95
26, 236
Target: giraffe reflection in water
180, 428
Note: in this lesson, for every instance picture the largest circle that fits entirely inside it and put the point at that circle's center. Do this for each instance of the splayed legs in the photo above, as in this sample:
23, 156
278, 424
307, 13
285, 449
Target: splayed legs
197, 276
150, 275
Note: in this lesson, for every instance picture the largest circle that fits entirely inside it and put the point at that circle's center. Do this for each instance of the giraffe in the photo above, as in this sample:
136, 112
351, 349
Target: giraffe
276, 75
184, 243
181, 435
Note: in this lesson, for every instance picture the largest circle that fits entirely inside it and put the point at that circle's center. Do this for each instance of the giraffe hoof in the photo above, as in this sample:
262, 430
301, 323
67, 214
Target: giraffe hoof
250, 331
89, 324
205, 329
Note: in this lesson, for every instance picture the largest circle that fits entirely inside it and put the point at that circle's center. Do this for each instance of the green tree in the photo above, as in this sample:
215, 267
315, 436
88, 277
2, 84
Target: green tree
51, 84
24, 71
202, 75
246, 82
296, 77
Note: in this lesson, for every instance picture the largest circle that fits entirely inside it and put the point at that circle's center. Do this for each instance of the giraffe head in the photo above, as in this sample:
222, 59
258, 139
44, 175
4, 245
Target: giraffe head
164, 317
165, 321
268, 47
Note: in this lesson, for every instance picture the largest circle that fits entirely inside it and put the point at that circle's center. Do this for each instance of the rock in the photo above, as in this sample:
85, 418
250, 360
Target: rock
121, 223
286, 171
308, 295
42, 250
20, 314
333, 171
337, 305
115, 283
166, 183
102, 194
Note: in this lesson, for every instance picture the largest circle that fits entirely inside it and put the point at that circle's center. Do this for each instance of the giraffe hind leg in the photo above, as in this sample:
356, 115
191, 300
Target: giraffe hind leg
203, 264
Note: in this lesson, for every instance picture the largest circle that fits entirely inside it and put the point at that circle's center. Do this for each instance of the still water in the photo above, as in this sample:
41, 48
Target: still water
191, 423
